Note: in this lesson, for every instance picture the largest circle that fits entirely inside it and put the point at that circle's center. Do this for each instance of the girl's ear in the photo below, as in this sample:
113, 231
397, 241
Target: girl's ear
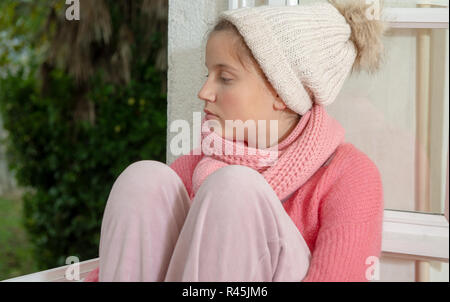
278, 104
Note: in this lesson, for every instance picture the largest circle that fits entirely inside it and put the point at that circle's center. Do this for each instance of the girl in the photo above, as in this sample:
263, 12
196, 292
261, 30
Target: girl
312, 214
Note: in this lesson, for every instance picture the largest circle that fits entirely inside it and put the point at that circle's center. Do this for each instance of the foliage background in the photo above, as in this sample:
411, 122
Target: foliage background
80, 101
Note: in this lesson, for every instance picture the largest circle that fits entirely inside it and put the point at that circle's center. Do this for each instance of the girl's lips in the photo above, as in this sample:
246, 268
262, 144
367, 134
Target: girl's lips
210, 117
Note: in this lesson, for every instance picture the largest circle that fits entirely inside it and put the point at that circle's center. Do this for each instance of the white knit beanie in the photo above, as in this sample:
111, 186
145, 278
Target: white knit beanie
307, 51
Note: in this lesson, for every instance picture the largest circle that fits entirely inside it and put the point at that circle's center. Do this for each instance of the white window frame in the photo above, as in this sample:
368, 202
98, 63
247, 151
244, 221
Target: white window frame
417, 17
407, 235
396, 17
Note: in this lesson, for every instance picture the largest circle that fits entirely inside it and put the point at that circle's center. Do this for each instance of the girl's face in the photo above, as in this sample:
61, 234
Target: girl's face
233, 93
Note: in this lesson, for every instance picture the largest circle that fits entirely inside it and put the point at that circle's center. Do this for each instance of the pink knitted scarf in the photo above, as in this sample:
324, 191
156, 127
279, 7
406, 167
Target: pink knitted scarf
286, 166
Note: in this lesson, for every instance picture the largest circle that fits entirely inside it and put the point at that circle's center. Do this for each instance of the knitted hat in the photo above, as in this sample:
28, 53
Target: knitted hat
307, 51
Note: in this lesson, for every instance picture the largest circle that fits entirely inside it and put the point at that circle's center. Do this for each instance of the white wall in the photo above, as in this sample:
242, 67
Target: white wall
188, 24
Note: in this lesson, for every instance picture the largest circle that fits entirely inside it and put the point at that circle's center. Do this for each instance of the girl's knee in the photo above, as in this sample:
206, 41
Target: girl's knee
146, 171
234, 188
143, 189
234, 172
144, 177
235, 177
145, 167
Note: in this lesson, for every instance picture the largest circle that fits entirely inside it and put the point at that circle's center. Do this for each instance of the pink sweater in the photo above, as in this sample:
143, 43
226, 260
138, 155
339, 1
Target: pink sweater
339, 212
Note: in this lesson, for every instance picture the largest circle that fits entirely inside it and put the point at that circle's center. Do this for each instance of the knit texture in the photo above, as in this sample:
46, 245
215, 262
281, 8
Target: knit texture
304, 50
285, 166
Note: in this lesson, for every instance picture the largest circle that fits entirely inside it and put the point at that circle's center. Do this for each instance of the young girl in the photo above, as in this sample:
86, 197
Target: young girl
313, 214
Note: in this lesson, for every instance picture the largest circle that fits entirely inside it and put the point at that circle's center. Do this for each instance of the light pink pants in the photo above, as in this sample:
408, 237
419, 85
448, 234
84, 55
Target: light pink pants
235, 229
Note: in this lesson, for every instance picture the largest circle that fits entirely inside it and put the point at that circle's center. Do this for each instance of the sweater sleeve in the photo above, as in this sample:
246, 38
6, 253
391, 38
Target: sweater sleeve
351, 218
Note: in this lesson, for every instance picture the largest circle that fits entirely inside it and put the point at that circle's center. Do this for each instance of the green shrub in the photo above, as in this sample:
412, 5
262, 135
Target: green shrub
71, 166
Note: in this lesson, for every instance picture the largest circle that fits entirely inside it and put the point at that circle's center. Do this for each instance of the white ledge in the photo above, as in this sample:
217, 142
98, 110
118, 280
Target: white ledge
406, 235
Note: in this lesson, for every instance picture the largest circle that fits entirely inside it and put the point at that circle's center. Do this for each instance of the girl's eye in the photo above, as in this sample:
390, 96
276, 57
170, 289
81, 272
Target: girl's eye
223, 79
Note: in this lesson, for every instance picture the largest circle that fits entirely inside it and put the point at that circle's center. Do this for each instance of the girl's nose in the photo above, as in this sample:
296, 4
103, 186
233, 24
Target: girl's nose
206, 94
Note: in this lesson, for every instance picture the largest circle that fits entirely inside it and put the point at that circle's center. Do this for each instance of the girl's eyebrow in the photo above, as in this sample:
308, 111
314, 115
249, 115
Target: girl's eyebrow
224, 66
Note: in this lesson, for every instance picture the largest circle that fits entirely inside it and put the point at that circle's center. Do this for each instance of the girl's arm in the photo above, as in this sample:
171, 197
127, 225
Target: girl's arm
351, 219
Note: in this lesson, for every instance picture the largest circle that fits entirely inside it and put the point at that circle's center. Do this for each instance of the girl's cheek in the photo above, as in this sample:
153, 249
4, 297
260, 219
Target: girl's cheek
237, 96
229, 102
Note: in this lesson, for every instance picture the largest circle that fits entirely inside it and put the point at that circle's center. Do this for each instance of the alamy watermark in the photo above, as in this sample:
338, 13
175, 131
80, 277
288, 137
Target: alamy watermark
373, 271
73, 11
257, 136
373, 11
73, 270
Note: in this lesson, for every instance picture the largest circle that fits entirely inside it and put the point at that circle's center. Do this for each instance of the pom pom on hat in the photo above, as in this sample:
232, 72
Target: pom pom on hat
367, 33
